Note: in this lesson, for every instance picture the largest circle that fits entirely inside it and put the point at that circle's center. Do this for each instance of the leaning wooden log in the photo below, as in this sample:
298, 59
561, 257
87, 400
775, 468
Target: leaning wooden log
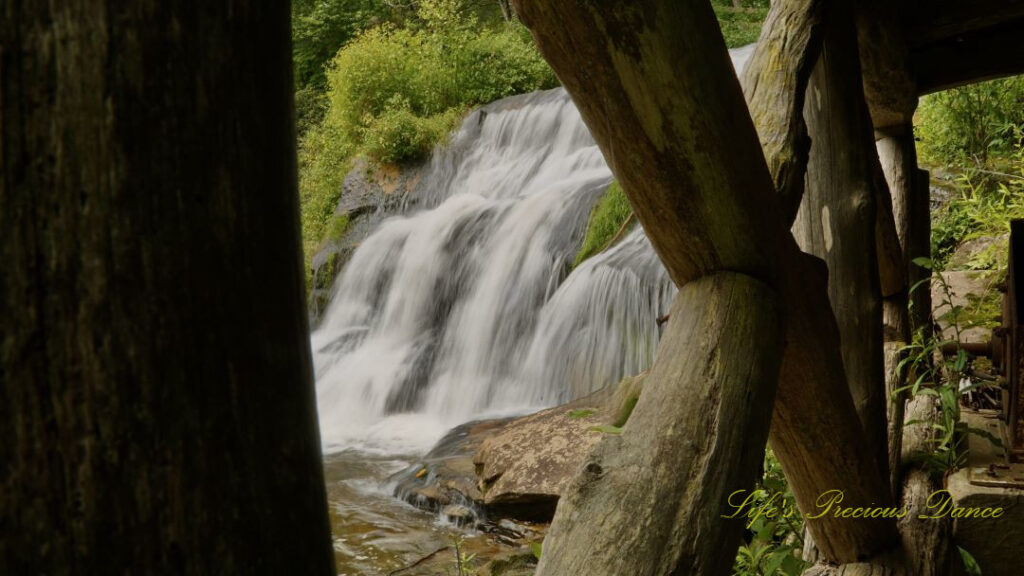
774, 84
650, 501
656, 142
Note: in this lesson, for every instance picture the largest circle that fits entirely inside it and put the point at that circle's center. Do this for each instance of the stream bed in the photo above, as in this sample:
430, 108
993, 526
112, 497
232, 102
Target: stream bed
376, 533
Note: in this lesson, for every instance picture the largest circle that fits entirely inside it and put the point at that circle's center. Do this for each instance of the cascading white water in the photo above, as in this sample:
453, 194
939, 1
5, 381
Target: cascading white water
463, 305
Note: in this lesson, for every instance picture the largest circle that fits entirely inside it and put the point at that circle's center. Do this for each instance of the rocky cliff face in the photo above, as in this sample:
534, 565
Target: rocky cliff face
369, 193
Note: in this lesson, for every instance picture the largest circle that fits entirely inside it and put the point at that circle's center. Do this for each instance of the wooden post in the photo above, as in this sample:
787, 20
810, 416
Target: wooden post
837, 219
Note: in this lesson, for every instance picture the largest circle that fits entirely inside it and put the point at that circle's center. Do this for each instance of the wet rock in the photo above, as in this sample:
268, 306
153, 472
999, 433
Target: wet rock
458, 514
517, 467
368, 193
518, 564
523, 467
446, 475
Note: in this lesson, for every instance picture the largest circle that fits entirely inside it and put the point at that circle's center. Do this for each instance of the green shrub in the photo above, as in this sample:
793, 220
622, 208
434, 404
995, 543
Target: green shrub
394, 93
397, 134
321, 27
337, 227
606, 219
324, 159
773, 545
985, 204
964, 126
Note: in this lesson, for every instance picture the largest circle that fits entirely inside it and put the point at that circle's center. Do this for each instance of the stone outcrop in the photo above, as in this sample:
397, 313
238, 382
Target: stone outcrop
369, 192
515, 468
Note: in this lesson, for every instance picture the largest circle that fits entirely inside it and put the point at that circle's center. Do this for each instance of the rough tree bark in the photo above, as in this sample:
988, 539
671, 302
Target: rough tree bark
655, 98
836, 221
909, 187
158, 411
926, 542
898, 163
774, 84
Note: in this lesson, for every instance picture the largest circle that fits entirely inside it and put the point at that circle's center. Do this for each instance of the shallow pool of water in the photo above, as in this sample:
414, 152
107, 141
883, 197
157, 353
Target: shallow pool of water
375, 533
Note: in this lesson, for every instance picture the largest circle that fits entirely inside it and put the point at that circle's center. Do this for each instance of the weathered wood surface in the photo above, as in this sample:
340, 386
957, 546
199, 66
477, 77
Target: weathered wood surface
889, 88
774, 84
897, 155
158, 412
979, 55
837, 219
652, 66
667, 142
931, 21
651, 501
927, 543
812, 369
854, 569
813, 396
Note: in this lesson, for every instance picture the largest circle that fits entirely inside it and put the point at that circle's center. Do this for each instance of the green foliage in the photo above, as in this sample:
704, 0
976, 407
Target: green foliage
942, 379
964, 126
337, 227
323, 163
606, 219
581, 413
396, 92
740, 24
773, 544
463, 562
397, 134
321, 27
537, 549
392, 80
985, 203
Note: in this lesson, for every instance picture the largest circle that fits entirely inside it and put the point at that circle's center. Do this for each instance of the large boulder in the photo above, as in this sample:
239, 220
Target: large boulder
516, 468
522, 468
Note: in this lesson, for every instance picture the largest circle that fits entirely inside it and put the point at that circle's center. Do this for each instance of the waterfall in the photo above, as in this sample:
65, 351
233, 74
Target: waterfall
465, 304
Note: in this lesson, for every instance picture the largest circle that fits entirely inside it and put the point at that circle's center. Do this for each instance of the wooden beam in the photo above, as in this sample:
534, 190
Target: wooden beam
931, 21
984, 54
885, 64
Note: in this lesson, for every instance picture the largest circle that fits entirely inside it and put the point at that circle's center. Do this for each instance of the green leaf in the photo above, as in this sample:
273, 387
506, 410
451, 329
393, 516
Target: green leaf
581, 413
923, 262
536, 548
607, 429
970, 564
986, 435
775, 561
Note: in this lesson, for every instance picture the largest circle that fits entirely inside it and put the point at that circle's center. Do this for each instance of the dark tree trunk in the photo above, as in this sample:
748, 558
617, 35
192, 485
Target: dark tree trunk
158, 411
